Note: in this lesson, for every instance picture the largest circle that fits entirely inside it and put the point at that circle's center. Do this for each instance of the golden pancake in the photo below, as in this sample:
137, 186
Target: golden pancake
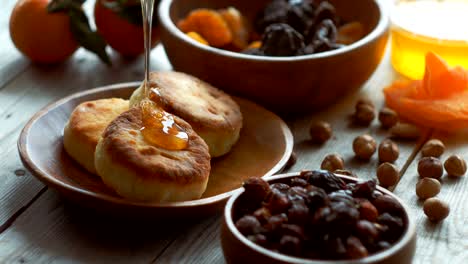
140, 171
211, 113
85, 126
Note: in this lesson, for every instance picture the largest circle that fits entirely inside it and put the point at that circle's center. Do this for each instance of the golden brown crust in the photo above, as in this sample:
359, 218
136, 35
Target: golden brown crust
123, 142
197, 102
89, 119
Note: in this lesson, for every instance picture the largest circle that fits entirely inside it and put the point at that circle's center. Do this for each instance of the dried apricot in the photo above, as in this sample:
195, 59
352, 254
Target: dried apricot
197, 37
237, 25
209, 24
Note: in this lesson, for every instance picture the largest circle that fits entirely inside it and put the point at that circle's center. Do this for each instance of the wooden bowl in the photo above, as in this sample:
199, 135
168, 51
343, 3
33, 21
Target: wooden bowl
238, 249
282, 84
264, 136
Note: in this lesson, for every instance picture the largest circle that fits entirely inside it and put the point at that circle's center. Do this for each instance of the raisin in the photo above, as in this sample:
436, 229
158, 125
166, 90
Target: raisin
298, 213
316, 197
248, 225
259, 239
326, 180
387, 204
335, 249
282, 40
364, 189
262, 214
256, 189
290, 245
368, 211
275, 222
366, 230
355, 249
325, 10
394, 225
296, 181
293, 230
297, 193
277, 202
281, 187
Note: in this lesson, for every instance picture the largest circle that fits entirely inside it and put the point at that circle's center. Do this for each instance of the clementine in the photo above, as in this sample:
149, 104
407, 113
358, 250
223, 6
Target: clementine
120, 33
41, 36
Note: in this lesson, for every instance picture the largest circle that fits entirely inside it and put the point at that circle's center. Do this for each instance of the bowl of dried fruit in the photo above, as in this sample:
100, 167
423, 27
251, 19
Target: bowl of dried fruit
289, 55
316, 217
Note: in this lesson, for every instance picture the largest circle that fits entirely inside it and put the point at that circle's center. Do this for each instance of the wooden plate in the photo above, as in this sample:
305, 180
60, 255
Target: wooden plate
263, 149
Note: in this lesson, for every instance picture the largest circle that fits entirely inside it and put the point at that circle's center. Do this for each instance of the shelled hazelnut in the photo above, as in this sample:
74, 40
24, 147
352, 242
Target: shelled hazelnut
427, 188
388, 117
364, 146
433, 148
436, 209
430, 167
455, 166
332, 162
388, 174
364, 114
388, 151
405, 131
320, 132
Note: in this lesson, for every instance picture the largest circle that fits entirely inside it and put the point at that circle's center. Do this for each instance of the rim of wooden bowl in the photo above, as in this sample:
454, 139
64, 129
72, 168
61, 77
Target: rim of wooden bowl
57, 184
404, 240
380, 29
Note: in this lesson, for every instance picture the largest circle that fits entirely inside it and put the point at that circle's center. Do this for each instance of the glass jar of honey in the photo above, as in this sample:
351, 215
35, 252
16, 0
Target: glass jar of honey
420, 26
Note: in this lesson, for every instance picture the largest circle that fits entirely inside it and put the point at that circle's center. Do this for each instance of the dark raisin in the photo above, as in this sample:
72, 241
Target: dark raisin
277, 202
274, 223
282, 40
382, 245
256, 189
342, 196
298, 213
297, 193
342, 217
368, 211
296, 181
316, 197
259, 239
248, 225
366, 230
325, 10
355, 249
335, 249
325, 30
282, 187
326, 180
394, 225
386, 203
364, 189
300, 15
293, 230
262, 214
290, 245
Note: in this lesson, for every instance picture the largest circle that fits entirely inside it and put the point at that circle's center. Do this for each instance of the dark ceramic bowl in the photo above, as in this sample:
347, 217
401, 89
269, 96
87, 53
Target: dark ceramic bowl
238, 249
282, 84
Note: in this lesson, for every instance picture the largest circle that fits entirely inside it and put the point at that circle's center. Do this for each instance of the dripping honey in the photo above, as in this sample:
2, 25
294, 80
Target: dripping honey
159, 127
423, 26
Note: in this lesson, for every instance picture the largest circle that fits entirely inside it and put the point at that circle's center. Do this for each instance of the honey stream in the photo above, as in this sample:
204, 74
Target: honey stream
159, 127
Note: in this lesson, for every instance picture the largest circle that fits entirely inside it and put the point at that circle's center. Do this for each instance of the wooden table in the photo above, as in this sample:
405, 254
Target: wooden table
37, 226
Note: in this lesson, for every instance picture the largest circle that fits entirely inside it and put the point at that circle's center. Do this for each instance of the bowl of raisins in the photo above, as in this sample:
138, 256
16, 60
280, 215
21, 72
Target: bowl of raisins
316, 217
292, 56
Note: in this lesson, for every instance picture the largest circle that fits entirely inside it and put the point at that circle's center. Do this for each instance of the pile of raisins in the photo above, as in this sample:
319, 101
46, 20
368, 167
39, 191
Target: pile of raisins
319, 216
296, 27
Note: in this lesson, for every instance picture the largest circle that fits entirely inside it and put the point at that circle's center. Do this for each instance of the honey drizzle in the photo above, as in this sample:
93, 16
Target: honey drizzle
159, 127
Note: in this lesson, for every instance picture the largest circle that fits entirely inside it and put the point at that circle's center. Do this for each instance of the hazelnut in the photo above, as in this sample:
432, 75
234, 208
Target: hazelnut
433, 148
388, 117
405, 131
320, 132
364, 114
388, 174
388, 151
430, 167
364, 101
427, 188
364, 146
332, 162
435, 209
455, 166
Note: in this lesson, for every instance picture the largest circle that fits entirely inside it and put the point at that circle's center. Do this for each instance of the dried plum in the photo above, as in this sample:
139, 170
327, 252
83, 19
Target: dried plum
282, 40
326, 180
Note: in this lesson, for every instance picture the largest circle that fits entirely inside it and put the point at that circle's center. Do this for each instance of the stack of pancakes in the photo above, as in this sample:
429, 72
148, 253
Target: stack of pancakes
105, 137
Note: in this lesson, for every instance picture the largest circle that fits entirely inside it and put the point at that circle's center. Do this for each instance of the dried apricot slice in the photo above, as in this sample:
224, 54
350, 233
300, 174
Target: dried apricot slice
195, 36
237, 25
439, 100
209, 24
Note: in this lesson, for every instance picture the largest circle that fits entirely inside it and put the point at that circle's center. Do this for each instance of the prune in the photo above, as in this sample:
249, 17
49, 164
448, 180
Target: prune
355, 249
248, 225
296, 181
326, 180
256, 189
296, 13
366, 230
326, 30
282, 40
290, 245
325, 10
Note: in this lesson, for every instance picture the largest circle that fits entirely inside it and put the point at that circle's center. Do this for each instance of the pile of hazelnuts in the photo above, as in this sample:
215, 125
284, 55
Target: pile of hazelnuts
430, 167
